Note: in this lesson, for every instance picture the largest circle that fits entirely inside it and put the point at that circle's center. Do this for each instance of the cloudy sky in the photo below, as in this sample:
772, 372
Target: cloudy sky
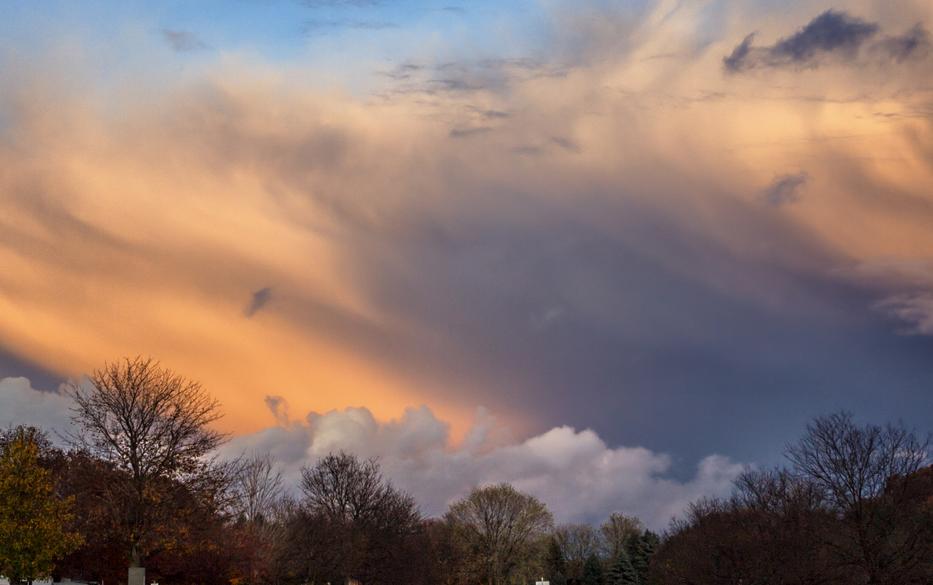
607, 250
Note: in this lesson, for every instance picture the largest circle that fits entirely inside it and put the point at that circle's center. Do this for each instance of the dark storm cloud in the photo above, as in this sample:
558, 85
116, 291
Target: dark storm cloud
43, 379
22, 403
259, 300
785, 189
735, 61
833, 34
582, 265
182, 41
635, 320
832, 31
601, 308
635, 333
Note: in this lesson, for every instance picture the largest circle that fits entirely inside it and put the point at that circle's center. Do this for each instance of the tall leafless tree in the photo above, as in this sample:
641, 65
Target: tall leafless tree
577, 543
854, 508
257, 489
352, 489
259, 507
771, 532
372, 528
866, 473
150, 423
616, 532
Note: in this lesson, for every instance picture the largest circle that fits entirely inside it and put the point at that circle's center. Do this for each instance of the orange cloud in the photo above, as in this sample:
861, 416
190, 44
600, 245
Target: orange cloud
144, 225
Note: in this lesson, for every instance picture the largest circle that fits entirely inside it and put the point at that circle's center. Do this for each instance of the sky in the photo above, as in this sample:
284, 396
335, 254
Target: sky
609, 251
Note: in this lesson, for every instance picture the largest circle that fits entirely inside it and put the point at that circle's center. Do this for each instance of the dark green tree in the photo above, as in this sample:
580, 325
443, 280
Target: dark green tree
639, 549
652, 540
592, 571
555, 563
621, 572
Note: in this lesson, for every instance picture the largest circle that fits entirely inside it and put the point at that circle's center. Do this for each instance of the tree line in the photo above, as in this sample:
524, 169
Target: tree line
138, 485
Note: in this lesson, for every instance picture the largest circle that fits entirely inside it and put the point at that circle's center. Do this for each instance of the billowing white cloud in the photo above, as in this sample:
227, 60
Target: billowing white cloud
579, 476
21, 404
576, 473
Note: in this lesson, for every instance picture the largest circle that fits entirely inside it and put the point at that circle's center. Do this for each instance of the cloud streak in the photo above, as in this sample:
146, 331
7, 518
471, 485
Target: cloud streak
834, 34
259, 300
183, 41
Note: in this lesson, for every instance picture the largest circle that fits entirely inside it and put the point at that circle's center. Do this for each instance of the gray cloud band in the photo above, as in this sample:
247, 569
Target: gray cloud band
831, 35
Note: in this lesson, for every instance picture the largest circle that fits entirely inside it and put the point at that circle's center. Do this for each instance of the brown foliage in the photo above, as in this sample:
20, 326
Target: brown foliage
353, 524
854, 509
151, 425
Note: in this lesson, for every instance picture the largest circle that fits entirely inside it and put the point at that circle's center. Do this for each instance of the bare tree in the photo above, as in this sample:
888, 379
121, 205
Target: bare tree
577, 543
501, 529
866, 474
616, 531
257, 489
854, 509
346, 487
372, 528
260, 511
151, 424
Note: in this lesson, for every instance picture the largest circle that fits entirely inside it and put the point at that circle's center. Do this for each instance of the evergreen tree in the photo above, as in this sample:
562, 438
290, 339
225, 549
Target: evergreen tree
652, 540
33, 533
555, 563
640, 549
592, 571
622, 572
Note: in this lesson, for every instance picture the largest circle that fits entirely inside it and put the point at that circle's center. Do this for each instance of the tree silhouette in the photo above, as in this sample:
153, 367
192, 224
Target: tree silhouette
152, 424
